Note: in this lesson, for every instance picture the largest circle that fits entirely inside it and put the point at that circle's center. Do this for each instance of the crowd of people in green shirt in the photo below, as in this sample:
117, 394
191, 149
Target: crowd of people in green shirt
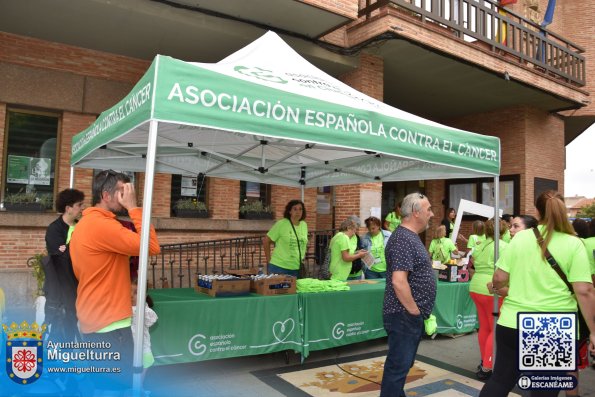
521, 279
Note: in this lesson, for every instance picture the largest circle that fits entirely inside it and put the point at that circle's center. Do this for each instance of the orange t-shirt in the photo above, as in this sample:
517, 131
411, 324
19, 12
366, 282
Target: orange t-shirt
100, 249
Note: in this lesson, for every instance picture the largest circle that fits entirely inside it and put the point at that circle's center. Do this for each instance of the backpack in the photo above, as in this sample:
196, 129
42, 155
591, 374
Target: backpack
440, 253
357, 264
324, 273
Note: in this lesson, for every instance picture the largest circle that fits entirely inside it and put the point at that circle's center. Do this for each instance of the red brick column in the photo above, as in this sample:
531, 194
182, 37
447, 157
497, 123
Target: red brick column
223, 198
369, 79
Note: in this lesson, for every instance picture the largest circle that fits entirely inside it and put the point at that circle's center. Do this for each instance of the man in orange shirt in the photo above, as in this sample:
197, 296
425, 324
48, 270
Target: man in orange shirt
100, 248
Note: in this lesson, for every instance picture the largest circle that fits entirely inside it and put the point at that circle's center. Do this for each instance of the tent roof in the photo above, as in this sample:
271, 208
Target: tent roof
265, 114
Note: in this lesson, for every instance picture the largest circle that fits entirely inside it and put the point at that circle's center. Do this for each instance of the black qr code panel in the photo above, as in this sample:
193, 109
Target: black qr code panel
547, 341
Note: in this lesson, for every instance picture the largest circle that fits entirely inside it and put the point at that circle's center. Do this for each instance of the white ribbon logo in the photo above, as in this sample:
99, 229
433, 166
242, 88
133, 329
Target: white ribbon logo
282, 329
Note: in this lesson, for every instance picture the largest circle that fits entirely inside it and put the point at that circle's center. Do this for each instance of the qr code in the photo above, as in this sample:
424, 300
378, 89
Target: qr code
547, 341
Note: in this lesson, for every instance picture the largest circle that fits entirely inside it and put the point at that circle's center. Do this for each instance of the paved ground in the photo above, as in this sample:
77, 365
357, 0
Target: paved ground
256, 376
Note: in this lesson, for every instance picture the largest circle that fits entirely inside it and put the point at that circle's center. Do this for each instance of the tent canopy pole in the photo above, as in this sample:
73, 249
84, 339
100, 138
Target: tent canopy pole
144, 259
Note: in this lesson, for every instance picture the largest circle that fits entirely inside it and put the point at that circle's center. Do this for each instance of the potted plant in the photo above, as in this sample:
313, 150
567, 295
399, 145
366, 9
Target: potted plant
27, 201
35, 263
255, 210
190, 208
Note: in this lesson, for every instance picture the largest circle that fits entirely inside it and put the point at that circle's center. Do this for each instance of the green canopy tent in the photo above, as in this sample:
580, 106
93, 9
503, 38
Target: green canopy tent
264, 114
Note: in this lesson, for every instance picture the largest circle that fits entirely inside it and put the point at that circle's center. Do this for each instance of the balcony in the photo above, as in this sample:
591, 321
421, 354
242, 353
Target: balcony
485, 24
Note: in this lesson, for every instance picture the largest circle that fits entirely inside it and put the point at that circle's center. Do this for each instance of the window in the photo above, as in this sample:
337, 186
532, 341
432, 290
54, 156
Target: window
254, 191
188, 187
482, 191
30, 156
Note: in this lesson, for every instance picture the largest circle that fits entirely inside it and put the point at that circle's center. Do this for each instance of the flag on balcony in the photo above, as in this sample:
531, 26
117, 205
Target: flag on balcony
501, 35
549, 13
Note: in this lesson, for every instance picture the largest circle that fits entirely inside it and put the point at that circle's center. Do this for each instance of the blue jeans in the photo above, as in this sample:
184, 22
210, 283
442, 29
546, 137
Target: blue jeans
404, 334
274, 269
372, 274
119, 340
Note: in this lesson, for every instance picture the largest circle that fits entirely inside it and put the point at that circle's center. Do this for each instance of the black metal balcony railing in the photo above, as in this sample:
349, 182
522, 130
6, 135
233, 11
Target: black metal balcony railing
178, 264
481, 20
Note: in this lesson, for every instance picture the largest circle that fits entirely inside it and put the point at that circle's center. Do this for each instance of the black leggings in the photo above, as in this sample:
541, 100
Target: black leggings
506, 370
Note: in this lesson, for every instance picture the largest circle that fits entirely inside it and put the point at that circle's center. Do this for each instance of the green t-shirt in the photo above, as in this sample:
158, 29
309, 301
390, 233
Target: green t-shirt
393, 221
475, 240
506, 237
483, 262
441, 248
286, 251
377, 251
339, 268
590, 245
534, 285
69, 234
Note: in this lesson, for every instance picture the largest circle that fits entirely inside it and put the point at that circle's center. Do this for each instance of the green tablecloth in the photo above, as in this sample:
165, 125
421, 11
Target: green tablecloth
454, 309
196, 327
340, 318
333, 319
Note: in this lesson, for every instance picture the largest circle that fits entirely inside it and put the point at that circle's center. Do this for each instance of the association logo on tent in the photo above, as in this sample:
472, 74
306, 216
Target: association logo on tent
259, 73
24, 352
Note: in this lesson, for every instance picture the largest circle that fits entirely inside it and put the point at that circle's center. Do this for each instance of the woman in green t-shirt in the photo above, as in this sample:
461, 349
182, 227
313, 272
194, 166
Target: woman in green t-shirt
483, 264
522, 222
290, 236
534, 286
393, 219
343, 250
476, 237
441, 247
374, 242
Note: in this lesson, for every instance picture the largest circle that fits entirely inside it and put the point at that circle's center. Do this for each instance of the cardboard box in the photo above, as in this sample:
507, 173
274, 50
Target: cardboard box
454, 274
450, 274
220, 288
279, 285
252, 271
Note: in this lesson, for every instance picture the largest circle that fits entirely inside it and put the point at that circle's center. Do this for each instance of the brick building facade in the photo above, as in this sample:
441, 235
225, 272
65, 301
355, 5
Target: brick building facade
75, 84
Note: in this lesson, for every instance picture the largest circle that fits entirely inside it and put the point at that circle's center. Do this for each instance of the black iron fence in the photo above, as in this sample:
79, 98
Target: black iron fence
485, 21
178, 264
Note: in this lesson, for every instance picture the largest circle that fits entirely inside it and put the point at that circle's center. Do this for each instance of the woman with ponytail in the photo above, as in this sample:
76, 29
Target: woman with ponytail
534, 286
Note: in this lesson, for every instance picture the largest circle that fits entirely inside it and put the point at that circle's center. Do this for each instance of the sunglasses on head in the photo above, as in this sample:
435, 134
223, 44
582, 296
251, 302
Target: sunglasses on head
420, 196
105, 175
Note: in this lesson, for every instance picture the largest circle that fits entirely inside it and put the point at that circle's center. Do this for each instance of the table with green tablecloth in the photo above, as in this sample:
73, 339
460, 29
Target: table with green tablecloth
454, 309
332, 319
197, 327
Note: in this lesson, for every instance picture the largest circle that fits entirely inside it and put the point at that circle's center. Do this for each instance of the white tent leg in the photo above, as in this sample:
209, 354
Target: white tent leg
144, 258
496, 250
71, 177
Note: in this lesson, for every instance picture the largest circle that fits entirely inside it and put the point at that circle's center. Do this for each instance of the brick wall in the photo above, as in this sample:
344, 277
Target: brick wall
2, 129
223, 198
574, 21
369, 79
346, 8
281, 195
532, 145
31, 52
161, 193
